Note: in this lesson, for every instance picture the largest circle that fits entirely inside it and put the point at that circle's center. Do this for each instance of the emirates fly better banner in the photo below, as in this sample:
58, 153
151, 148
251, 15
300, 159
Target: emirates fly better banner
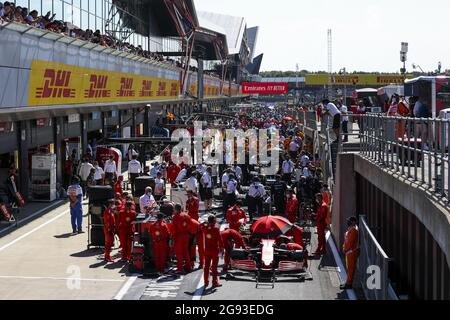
264, 88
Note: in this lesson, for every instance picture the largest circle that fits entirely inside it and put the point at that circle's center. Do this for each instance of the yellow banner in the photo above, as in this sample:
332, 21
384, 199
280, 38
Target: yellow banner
55, 83
355, 79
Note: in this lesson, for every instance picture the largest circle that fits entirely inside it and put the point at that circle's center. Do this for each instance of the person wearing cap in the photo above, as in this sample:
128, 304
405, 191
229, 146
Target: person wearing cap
291, 206
192, 205
351, 250
75, 193
181, 224
147, 202
126, 218
213, 246
255, 198
231, 239
160, 235
109, 225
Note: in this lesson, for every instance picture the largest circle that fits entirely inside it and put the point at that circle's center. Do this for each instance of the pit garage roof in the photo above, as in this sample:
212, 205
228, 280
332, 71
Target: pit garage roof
210, 42
234, 28
157, 14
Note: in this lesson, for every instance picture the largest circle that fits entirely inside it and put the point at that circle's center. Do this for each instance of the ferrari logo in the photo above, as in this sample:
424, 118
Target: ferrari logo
208, 236
157, 233
184, 224
128, 219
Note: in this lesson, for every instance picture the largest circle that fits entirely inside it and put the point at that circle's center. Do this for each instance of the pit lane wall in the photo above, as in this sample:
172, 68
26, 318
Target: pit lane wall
41, 68
411, 225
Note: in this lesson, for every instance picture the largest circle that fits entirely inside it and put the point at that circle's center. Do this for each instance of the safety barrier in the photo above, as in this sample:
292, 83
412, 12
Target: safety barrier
373, 266
415, 148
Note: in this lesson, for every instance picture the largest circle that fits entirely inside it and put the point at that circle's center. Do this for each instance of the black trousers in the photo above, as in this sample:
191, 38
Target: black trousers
109, 179
345, 130
229, 201
255, 205
133, 177
279, 206
287, 177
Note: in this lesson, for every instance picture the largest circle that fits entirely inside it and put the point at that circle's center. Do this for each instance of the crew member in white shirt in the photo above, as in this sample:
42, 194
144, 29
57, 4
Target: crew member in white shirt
287, 168
238, 173
181, 175
134, 170
334, 112
255, 194
83, 172
294, 146
99, 175
206, 193
110, 171
156, 167
298, 172
225, 178
230, 193
160, 187
344, 112
147, 202
191, 184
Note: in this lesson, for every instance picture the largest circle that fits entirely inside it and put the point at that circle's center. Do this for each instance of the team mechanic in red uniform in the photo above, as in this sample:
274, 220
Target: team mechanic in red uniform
181, 224
291, 206
213, 246
234, 214
230, 238
126, 217
196, 239
109, 223
321, 222
160, 234
192, 205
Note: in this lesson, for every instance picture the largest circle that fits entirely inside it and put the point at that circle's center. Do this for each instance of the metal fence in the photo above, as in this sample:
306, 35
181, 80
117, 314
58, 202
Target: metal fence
373, 266
415, 148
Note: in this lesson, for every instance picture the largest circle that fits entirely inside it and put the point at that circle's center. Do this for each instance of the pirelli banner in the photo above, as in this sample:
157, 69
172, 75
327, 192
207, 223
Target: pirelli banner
57, 84
355, 79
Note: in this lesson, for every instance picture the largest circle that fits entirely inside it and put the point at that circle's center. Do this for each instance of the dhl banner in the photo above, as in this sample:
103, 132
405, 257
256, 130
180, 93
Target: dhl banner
55, 83
355, 79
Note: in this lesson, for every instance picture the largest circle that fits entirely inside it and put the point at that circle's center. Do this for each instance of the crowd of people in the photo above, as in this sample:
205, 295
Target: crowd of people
9, 12
296, 190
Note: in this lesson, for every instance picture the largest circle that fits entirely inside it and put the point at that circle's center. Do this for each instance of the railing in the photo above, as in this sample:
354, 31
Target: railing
414, 148
373, 266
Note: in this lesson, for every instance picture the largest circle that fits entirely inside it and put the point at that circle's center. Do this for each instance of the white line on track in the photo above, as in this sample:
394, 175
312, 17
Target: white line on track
350, 292
34, 230
123, 291
54, 206
199, 290
57, 278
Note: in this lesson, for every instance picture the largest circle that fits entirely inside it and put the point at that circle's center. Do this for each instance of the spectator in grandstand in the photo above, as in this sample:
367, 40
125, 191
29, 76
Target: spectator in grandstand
33, 19
6, 12
18, 15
